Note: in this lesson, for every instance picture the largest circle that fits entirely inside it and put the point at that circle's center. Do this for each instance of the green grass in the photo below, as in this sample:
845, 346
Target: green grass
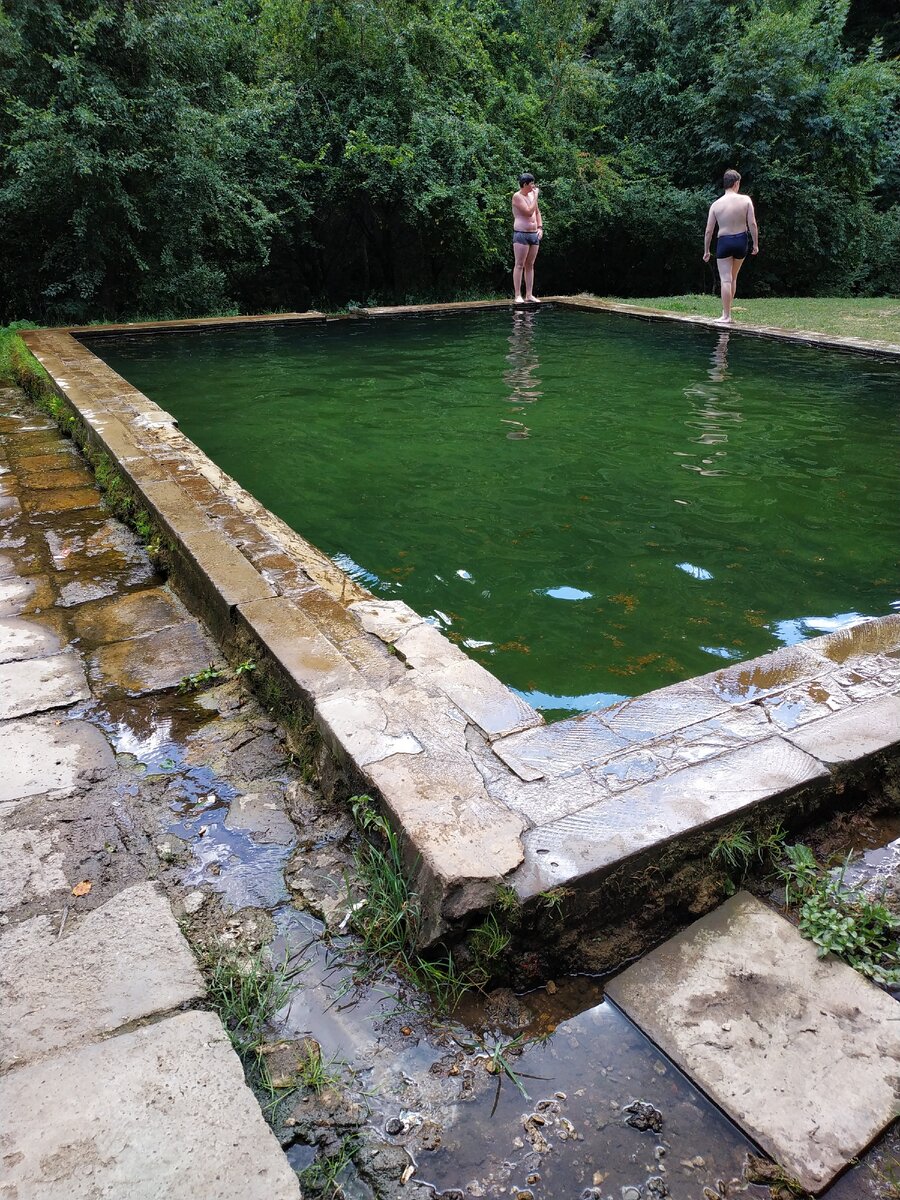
875, 319
246, 991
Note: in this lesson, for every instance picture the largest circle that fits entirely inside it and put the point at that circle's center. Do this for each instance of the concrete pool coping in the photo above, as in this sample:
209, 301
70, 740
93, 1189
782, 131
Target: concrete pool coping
483, 790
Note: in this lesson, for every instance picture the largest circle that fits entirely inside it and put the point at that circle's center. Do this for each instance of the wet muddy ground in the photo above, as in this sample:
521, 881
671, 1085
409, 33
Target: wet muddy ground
551, 1094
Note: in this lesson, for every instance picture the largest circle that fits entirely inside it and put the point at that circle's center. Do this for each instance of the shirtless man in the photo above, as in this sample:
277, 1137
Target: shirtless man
736, 220
528, 229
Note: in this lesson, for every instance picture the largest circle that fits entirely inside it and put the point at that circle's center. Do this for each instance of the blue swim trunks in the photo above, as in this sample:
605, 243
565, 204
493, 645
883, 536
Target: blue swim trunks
523, 238
733, 245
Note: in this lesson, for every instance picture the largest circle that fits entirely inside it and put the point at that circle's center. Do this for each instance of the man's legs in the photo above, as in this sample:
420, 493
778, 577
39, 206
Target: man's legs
727, 275
529, 272
520, 253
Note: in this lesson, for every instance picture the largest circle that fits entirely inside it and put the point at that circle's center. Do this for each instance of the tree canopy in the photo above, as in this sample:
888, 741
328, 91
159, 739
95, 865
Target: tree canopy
187, 156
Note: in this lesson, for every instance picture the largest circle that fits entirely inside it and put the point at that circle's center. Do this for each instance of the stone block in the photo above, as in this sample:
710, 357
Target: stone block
122, 962
154, 661
31, 867
21, 639
803, 1053
489, 704
303, 652
648, 816
160, 1112
121, 617
18, 597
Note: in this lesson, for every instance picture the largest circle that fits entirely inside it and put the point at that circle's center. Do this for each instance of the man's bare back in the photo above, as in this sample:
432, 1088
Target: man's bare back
732, 213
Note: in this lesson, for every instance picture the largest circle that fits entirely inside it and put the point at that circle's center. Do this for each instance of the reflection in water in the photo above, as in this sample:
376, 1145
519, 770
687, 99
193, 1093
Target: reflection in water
711, 418
521, 374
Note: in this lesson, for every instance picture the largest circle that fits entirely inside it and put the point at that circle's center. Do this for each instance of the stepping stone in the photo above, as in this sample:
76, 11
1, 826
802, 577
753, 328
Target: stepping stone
123, 617
44, 755
802, 1053
160, 1112
123, 962
154, 662
38, 684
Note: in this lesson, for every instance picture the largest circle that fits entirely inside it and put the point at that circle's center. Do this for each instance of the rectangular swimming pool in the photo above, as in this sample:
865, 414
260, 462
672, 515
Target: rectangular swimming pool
591, 505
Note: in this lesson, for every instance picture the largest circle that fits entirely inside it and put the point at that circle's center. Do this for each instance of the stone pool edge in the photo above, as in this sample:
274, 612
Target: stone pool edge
484, 791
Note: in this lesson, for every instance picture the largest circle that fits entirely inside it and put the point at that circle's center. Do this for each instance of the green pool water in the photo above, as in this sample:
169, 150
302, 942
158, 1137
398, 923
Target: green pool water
592, 505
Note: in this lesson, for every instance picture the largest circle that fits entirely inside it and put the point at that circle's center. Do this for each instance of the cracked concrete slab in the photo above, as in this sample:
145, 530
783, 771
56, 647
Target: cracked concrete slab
802, 1052
120, 963
489, 704
43, 755
137, 1121
37, 684
19, 597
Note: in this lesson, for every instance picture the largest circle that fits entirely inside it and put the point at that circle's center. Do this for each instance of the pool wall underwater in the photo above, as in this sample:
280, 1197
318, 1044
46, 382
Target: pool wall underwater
613, 813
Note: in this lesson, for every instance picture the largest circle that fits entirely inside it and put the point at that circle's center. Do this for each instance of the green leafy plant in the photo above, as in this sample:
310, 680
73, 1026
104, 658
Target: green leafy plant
200, 679
247, 667
506, 900
861, 931
553, 899
799, 871
839, 919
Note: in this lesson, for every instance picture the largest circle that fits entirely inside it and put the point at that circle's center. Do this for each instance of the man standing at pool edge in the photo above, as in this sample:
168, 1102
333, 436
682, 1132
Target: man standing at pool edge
528, 229
738, 234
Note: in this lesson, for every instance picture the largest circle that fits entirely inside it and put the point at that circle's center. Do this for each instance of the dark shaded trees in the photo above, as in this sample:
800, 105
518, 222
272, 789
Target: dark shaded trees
175, 156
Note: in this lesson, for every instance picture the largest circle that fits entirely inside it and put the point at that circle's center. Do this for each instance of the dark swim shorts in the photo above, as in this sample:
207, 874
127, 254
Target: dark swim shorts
521, 238
733, 245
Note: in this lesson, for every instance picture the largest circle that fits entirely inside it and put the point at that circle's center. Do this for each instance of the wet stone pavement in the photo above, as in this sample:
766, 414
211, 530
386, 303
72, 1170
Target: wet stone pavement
123, 801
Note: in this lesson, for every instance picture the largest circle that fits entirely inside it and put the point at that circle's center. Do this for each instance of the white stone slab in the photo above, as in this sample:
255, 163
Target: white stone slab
25, 639
124, 961
802, 1052
39, 684
161, 1112
44, 755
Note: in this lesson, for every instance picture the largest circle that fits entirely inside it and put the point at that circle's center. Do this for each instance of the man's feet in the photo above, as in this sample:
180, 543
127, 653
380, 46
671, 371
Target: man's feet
723, 320
532, 300
518, 300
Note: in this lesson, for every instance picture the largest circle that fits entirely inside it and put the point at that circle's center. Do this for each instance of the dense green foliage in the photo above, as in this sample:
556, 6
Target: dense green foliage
178, 156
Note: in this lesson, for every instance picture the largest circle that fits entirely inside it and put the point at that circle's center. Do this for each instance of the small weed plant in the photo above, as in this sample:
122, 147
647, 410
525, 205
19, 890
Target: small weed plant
742, 849
322, 1178
841, 920
200, 679
317, 1073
